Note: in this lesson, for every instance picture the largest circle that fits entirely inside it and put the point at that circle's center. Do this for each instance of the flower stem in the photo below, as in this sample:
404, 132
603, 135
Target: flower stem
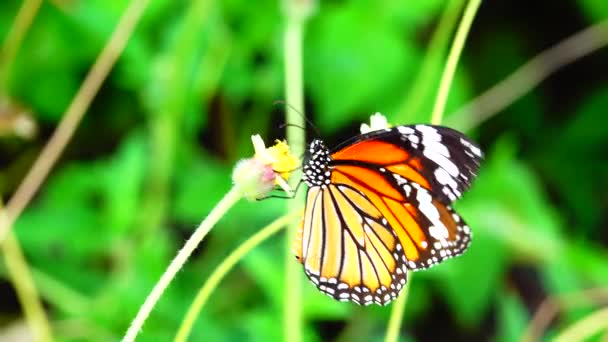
426, 77
23, 21
220, 272
60, 296
394, 322
296, 13
180, 259
586, 327
21, 277
396, 317
453, 57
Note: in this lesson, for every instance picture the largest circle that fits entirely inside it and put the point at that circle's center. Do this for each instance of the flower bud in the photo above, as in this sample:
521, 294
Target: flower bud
268, 168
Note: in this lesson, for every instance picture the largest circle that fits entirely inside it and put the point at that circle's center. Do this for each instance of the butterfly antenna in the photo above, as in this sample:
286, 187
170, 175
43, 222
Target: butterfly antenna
292, 196
291, 125
316, 131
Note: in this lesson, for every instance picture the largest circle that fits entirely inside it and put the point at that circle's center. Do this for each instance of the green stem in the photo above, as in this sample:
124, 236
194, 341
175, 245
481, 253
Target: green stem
394, 322
396, 317
180, 259
59, 295
55, 293
296, 13
426, 77
585, 328
15, 36
452, 62
220, 272
21, 277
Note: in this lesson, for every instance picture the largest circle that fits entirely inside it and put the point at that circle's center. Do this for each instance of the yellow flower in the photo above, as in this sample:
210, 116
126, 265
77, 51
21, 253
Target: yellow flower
268, 168
277, 156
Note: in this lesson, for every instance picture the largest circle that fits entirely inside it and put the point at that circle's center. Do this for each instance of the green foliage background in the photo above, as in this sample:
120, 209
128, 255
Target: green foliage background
198, 78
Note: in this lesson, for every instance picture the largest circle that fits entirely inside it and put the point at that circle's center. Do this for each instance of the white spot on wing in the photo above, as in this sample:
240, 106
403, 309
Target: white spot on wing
442, 161
405, 130
444, 178
471, 147
425, 204
435, 150
438, 233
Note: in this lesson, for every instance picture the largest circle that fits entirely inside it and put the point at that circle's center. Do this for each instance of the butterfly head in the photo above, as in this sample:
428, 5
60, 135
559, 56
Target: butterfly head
316, 167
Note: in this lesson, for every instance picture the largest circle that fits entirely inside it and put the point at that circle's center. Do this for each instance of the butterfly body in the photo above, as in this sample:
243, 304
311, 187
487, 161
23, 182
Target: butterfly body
378, 206
317, 167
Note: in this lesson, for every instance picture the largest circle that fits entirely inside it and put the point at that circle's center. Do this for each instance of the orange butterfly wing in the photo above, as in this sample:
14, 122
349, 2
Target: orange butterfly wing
348, 250
428, 230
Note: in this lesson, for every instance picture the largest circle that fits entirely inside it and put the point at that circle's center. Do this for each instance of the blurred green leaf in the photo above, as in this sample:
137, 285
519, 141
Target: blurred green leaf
512, 318
594, 9
194, 195
64, 233
318, 306
369, 62
511, 206
576, 146
484, 262
48, 67
122, 182
254, 65
261, 325
263, 266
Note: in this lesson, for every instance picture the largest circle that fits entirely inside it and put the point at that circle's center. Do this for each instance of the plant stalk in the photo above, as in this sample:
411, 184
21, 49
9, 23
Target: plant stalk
426, 78
180, 259
21, 277
453, 58
394, 322
585, 328
296, 13
23, 21
220, 272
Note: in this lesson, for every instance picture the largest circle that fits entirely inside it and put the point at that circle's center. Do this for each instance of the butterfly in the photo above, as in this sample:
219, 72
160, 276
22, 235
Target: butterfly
378, 206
